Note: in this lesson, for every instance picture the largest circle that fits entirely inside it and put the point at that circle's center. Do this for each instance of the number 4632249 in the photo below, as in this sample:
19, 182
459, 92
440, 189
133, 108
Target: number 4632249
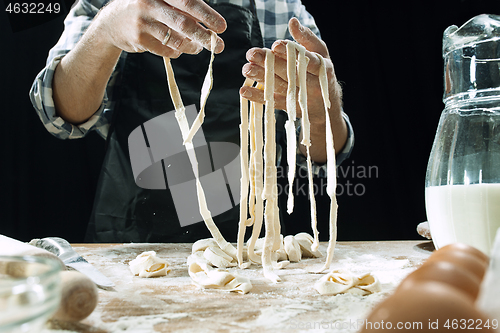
33, 8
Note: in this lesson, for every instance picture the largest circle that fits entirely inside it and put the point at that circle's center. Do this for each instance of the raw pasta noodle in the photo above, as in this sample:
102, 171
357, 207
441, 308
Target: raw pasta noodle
184, 127
331, 166
256, 160
244, 182
256, 192
147, 265
340, 282
271, 242
271, 142
292, 248
205, 91
291, 106
306, 140
205, 274
259, 172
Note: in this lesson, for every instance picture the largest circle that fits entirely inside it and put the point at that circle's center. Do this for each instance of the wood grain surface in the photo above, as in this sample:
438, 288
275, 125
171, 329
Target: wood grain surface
174, 304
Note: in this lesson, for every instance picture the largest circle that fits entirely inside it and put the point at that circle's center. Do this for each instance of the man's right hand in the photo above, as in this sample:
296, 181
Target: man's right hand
81, 78
142, 25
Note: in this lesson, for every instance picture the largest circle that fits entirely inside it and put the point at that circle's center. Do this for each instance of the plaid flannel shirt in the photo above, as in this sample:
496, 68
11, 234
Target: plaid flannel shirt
272, 15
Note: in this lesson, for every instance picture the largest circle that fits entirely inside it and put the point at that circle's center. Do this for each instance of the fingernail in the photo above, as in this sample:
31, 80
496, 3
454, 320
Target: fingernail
221, 26
279, 48
258, 57
246, 93
247, 70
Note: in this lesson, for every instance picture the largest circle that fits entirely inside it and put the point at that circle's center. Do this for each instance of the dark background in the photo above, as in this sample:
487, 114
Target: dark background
387, 54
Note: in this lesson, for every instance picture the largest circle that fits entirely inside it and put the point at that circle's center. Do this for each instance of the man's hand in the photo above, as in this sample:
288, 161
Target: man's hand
167, 28
81, 77
254, 70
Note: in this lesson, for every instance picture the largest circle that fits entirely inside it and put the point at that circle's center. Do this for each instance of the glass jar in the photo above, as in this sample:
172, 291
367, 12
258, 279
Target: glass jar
462, 187
30, 292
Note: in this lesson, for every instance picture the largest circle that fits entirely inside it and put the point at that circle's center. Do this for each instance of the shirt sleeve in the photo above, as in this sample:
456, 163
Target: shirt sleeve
274, 16
75, 24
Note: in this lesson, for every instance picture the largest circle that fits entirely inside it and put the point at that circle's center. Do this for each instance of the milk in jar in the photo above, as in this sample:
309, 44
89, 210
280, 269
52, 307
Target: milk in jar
462, 185
456, 210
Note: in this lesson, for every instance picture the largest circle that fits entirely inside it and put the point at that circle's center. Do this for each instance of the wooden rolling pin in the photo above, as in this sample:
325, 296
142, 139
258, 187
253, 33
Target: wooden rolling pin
79, 294
78, 298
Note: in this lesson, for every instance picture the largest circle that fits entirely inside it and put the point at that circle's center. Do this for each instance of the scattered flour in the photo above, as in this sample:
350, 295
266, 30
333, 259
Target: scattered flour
174, 304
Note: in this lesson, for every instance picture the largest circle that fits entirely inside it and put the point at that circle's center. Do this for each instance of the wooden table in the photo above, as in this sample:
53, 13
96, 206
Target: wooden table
174, 304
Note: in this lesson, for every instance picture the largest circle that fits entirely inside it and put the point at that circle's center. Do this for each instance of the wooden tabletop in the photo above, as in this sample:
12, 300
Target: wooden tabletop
174, 304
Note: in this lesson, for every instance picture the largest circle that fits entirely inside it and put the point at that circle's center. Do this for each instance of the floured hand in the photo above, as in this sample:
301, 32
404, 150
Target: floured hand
165, 28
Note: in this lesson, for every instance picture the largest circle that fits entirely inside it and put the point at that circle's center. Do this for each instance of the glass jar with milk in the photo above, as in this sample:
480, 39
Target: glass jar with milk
462, 190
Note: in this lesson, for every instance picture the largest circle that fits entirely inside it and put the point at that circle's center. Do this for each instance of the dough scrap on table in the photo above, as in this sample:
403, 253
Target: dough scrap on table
424, 230
147, 265
292, 248
306, 242
340, 282
204, 272
202, 244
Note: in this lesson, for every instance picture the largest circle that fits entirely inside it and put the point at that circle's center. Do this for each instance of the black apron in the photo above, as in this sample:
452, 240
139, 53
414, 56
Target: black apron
124, 212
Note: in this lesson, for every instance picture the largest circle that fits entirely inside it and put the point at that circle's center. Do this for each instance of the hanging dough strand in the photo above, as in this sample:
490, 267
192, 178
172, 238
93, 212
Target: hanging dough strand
180, 115
306, 139
331, 165
244, 182
205, 91
291, 107
251, 165
269, 193
256, 111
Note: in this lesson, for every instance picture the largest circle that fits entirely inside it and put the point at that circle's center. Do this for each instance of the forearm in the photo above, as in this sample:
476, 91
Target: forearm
132, 26
318, 129
81, 77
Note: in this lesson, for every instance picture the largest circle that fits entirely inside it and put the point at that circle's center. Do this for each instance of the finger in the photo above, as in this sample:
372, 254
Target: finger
257, 73
304, 36
181, 43
257, 95
173, 39
313, 67
202, 12
256, 57
156, 47
187, 26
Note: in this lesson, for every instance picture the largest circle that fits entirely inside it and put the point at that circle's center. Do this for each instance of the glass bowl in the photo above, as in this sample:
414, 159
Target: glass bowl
30, 292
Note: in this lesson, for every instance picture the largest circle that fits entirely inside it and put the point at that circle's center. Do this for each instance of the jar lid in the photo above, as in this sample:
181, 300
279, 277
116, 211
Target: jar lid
472, 58
479, 29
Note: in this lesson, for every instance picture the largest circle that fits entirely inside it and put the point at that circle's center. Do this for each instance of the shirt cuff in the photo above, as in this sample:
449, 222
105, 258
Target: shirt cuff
42, 99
